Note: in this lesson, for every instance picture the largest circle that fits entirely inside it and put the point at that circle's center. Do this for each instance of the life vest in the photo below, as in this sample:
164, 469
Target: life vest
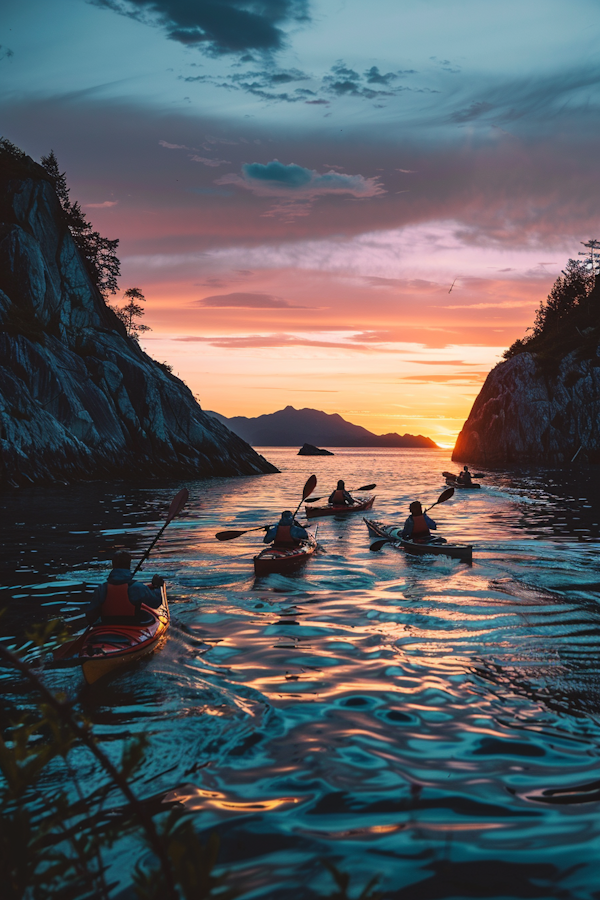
117, 603
338, 498
284, 535
420, 529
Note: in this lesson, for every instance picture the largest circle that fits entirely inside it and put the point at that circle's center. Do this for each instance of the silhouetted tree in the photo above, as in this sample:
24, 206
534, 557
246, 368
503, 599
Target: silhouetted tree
132, 311
567, 295
99, 253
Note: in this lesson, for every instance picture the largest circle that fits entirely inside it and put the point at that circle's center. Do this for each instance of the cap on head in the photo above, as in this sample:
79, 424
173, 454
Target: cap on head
121, 559
341, 485
416, 508
286, 514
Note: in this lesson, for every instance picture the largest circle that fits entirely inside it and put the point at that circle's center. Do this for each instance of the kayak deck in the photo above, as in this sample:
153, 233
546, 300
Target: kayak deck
332, 510
279, 559
437, 547
453, 481
108, 647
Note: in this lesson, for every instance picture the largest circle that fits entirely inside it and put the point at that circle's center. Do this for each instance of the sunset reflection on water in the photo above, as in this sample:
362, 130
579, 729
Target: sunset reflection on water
399, 715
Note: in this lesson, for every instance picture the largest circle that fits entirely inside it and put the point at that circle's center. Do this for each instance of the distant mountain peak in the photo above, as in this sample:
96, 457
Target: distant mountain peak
291, 427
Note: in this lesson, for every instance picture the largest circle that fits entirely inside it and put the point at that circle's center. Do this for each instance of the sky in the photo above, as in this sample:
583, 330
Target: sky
335, 204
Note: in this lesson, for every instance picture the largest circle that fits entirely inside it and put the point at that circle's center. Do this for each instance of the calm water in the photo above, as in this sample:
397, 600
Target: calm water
423, 720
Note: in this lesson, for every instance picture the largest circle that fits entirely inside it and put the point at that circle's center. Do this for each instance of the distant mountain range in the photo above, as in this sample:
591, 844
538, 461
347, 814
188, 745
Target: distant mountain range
291, 427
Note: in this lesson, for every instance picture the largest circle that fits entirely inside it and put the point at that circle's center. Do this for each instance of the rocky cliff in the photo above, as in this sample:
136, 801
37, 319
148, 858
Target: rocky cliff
78, 398
526, 415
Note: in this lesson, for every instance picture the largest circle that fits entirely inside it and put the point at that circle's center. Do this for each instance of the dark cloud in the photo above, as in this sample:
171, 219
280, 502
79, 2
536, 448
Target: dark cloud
216, 26
291, 176
6, 53
374, 76
245, 301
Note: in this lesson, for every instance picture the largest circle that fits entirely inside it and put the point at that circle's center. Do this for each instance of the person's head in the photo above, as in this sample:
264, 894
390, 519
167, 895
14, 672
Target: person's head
415, 508
465, 468
341, 485
121, 559
286, 517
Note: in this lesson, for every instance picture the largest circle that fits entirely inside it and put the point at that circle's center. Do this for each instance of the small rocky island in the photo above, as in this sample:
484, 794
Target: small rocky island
79, 398
542, 405
311, 450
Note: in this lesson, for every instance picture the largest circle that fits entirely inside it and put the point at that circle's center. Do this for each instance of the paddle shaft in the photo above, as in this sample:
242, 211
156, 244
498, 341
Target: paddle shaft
365, 487
232, 535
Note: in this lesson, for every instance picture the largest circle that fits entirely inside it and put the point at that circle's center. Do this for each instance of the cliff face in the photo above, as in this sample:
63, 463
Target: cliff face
524, 416
78, 398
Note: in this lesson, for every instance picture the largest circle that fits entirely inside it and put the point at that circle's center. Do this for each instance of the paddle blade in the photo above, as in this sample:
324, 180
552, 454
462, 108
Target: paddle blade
448, 474
177, 504
377, 545
479, 475
70, 648
228, 535
365, 487
445, 495
309, 487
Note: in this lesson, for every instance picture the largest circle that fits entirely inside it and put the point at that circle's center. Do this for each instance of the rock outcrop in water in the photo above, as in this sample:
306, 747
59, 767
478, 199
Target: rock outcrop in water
78, 398
526, 415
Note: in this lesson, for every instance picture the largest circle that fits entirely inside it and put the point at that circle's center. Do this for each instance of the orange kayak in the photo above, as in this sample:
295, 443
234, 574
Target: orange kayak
108, 647
280, 559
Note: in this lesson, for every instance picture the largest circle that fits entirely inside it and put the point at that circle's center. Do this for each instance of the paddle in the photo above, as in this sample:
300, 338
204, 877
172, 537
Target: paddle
445, 495
71, 648
232, 535
365, 487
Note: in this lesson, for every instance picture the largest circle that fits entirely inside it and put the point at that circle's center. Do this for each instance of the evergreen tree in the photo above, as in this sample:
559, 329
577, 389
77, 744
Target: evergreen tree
566, 297
99, 253
132, 311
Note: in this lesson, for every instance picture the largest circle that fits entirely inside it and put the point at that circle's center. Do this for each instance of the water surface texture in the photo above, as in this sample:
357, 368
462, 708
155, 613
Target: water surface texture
420, 719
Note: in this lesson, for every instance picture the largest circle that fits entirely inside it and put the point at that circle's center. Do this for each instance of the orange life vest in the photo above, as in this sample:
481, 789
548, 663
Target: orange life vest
284, 535
338, 498
420, 529
117, 603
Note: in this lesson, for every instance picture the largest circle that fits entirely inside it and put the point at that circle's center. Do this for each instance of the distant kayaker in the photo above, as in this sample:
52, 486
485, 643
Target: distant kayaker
287, 533
418, 526
119, 599
465, 477
341, 497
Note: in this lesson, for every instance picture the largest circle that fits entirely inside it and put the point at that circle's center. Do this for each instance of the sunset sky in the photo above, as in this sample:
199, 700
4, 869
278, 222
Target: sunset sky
296, 184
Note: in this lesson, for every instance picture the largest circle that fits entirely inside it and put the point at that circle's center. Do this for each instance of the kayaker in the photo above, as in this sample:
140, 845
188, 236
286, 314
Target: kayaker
287, 533
341, 497
119, 599
465, 477
419, 525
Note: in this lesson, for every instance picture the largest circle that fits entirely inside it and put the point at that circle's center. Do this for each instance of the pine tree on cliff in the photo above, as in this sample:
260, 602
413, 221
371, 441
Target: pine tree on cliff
132, 311
99, 253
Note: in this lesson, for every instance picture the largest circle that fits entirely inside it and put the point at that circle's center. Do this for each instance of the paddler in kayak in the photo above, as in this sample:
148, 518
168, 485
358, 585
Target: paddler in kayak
341, 497
287, 533
419, 525
464, 477
119, 600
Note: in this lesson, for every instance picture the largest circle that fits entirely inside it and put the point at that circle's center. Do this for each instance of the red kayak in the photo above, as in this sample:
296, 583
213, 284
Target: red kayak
280, 559
107, 647
332, 510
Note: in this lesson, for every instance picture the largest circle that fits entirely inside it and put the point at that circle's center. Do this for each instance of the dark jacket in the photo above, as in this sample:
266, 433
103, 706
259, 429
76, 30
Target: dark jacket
297, 532
138, 593
408, 526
